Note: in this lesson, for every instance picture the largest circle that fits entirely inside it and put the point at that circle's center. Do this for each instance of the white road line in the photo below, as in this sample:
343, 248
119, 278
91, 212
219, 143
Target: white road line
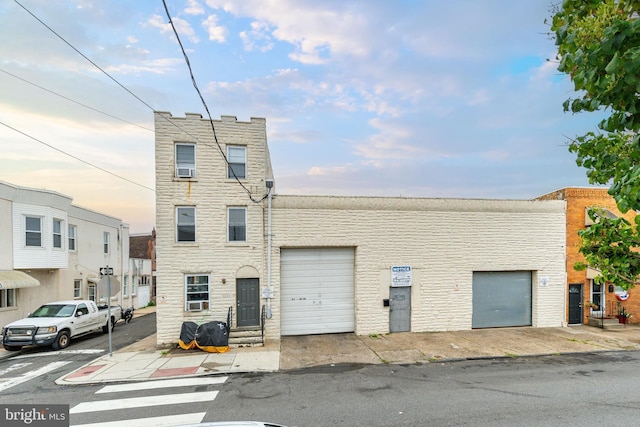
31, 375
167, 421
55, 353
140, 402
149, 385
13, 367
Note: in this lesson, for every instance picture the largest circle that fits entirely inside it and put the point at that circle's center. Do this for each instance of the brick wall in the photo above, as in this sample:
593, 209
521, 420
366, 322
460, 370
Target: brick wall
578, 200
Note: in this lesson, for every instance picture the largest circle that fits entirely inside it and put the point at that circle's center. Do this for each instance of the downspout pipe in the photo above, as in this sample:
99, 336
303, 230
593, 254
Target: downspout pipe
269, 183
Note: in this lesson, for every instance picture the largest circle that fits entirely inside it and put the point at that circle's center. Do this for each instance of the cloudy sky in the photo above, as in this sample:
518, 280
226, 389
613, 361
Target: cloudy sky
426, 98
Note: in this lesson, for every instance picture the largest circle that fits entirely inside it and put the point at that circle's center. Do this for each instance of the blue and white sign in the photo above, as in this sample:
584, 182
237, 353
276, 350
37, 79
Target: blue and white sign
401, 276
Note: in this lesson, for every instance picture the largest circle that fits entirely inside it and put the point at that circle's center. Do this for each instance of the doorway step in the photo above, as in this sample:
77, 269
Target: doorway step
246, 337
605, 323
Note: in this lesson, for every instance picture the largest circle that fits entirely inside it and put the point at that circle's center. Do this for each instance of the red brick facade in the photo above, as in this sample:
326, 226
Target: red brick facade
578, 200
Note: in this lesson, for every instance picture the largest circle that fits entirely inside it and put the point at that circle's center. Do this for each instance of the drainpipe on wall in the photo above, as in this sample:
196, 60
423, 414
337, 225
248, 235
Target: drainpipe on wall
122, 263
269, 184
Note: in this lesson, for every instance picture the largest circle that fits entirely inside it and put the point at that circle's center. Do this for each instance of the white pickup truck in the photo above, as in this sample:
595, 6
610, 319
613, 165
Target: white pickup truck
56, 323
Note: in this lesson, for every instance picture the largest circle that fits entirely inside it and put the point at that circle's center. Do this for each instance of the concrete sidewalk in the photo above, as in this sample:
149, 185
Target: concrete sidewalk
144, 361
426, 347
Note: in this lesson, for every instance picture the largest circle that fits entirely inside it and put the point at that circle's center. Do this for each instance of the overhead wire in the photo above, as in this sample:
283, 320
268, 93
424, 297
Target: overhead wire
141, 100
110, 77
74, 101
195, 85
84, 56
75, 157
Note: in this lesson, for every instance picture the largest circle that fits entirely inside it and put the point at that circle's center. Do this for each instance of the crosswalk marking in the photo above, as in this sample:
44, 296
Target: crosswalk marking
13, 367
166, 421
150, 385
59, 352
139, 402
30, 375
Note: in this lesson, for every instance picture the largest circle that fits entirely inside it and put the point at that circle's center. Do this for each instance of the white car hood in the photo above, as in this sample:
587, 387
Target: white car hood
38, 321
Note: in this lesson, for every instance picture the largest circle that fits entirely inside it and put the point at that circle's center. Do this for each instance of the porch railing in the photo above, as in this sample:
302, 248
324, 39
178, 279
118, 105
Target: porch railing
229, 318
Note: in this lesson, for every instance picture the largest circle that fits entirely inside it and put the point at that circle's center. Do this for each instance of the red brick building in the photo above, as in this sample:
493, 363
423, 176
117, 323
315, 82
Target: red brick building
580, 287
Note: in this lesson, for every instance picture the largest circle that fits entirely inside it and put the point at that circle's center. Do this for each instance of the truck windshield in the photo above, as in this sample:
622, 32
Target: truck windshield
54, 310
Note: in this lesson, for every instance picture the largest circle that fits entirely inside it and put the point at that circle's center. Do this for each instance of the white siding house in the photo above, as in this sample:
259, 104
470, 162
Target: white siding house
52, 250
323, 264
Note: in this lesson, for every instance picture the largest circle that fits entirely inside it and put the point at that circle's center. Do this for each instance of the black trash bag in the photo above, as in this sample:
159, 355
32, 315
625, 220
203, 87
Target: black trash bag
213, 337
188, 335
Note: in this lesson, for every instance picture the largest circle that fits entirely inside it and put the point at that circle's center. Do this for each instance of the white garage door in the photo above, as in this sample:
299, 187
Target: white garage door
317, 291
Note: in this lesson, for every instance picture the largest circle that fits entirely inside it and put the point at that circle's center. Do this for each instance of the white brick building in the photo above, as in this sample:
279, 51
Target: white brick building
338, 264
52, 250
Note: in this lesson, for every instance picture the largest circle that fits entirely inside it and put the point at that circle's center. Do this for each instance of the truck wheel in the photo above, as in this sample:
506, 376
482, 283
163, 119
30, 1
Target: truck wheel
12, 347
105, 328
62, 341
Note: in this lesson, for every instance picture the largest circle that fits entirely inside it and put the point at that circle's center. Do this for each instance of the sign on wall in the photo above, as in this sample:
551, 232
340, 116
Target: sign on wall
401, 276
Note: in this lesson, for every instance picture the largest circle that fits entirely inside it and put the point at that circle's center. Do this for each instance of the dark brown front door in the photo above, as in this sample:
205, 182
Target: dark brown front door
575, 303
248, 308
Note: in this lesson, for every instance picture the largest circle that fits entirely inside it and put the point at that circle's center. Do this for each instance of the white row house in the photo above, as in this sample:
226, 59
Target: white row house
53, 250
230, 247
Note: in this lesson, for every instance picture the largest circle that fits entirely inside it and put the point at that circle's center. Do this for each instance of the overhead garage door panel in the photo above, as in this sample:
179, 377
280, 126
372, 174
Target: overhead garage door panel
501, 299
317, 291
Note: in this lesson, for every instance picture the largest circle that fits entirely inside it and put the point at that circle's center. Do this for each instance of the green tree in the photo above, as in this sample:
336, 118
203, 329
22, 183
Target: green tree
599, 49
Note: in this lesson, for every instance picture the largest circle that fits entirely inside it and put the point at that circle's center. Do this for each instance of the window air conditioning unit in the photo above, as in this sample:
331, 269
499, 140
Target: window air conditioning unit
195, 306
185, 172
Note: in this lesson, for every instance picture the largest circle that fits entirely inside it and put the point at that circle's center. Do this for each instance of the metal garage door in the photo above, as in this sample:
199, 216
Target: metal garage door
501, 298
317, 291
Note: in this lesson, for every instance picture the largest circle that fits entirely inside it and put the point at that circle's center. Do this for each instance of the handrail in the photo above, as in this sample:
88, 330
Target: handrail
229, 317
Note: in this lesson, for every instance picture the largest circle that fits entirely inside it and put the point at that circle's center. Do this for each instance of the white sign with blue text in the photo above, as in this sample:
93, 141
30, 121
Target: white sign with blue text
400, 276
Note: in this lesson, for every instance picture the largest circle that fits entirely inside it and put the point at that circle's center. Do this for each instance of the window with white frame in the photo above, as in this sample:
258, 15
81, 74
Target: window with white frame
237, 158
57, 233
77, 288
185, 160
196, 292
185, 224
91, 292
125, 287
33, 231
72, 237
237, 219
7, 298
106, 237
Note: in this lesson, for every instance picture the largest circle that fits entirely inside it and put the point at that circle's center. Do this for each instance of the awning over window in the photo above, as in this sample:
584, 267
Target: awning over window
592, 273
12, 279
603, 212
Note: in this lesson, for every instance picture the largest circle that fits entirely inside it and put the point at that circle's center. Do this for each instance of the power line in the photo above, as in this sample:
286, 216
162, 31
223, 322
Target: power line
142, 101
110, 77
195, 85
84, 56
102, 70
76, 157
74, 101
